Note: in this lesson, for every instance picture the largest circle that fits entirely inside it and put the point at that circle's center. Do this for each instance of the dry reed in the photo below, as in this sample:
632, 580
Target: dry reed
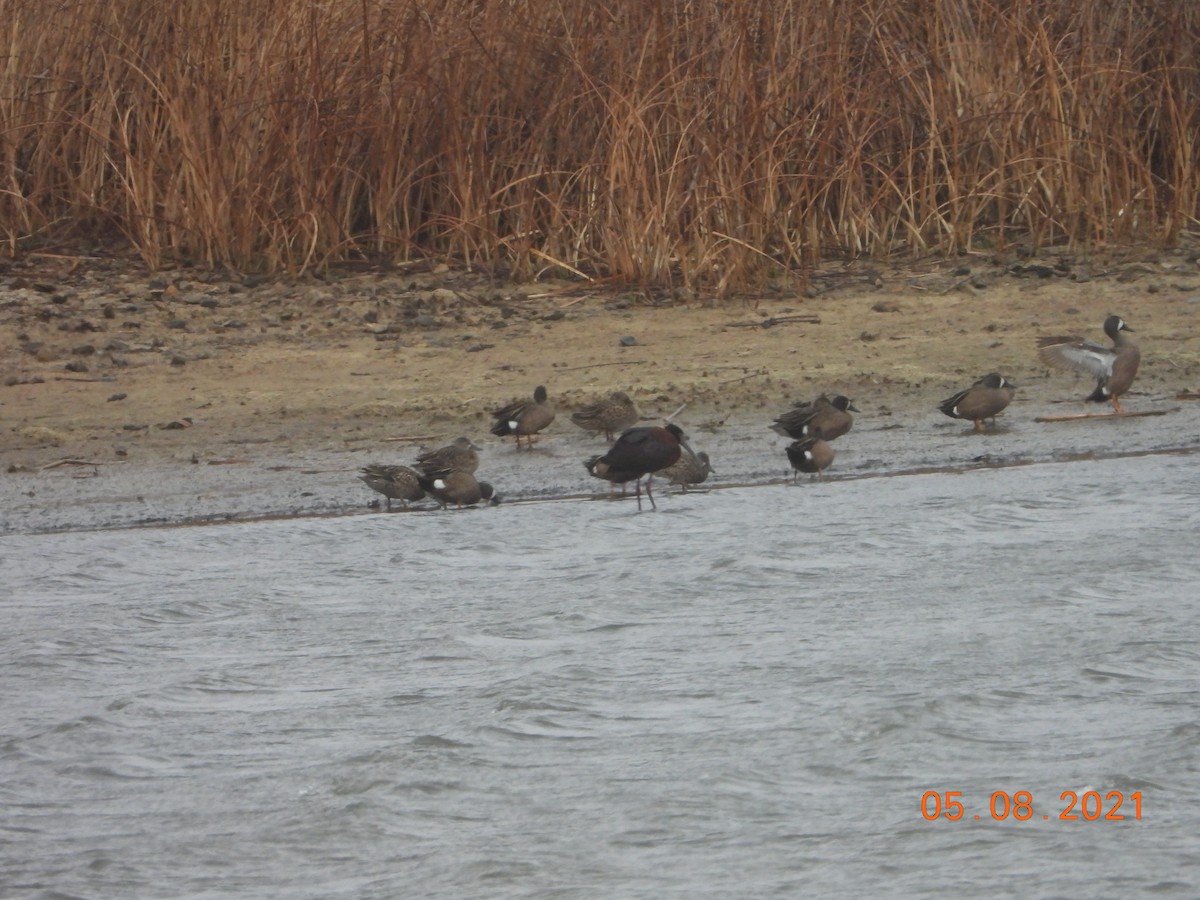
703, 142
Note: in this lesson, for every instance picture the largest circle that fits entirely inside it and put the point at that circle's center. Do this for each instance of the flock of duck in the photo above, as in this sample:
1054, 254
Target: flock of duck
447, 474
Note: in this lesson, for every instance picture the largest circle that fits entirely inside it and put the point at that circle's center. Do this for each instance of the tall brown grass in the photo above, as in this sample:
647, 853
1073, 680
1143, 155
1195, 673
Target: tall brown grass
710, 143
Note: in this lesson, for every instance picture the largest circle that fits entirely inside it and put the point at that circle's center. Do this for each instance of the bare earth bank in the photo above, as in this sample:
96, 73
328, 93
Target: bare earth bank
133, 398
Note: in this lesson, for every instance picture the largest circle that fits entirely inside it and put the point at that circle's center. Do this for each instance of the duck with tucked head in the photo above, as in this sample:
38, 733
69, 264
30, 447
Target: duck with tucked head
637, 452
822, 418
460, 456
1114, 367
690, 468
459, 488
811, 455
394, 482
524, 418
985, 399
611, 414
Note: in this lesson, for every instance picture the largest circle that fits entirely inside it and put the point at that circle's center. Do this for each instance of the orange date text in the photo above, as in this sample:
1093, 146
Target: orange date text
1089, 806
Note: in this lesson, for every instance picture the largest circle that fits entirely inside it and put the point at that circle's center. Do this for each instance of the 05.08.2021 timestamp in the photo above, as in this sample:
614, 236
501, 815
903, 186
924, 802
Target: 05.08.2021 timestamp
1089, 806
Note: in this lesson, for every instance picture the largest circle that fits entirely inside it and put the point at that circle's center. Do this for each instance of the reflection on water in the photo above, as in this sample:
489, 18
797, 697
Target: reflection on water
746, 693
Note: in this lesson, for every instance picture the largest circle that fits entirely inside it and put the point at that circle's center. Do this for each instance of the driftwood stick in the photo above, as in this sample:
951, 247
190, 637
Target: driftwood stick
677, 412
1079, 417
631, 362
743, 378
71, 462
772, 321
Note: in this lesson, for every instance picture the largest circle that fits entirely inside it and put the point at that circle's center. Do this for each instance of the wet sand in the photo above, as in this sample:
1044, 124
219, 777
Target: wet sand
133, 398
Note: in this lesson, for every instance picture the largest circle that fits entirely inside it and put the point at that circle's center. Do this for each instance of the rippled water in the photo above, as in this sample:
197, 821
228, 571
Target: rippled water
744, 694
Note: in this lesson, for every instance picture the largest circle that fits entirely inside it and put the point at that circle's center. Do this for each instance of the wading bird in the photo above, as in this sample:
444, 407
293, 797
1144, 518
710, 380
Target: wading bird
637, 452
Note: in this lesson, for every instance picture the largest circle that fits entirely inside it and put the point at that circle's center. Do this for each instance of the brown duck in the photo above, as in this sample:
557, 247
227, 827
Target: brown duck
822, 418
460, 456
1114, 367
459, 488
394, 482
690, 468
811, 455
985, 399
611, 414
524, 418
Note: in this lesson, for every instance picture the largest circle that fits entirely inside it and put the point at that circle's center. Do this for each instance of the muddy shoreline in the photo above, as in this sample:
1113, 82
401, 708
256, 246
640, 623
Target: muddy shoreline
323, 483
132, 398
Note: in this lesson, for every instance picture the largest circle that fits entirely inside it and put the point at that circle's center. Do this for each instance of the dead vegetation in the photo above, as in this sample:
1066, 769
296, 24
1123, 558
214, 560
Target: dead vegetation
701, 144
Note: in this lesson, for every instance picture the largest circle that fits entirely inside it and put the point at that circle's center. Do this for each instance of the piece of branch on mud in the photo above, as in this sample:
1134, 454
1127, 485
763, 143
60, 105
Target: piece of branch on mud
71, 462
772, 321
1079, 417
631, 362
743, 378
411, 439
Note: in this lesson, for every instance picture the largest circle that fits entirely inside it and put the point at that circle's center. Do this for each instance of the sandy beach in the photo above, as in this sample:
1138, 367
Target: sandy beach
132, 397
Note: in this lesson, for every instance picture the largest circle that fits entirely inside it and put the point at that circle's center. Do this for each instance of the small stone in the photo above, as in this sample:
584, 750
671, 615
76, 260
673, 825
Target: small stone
179, 324
84, 350
120, 396
628, 341
177, 360
886, 306
77, 365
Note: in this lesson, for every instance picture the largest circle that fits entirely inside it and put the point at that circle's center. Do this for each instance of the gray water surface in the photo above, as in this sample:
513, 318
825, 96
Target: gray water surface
746, 693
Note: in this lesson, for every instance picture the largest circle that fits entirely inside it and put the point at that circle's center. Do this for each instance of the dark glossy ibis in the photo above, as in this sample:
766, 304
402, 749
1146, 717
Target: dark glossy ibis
637, 452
